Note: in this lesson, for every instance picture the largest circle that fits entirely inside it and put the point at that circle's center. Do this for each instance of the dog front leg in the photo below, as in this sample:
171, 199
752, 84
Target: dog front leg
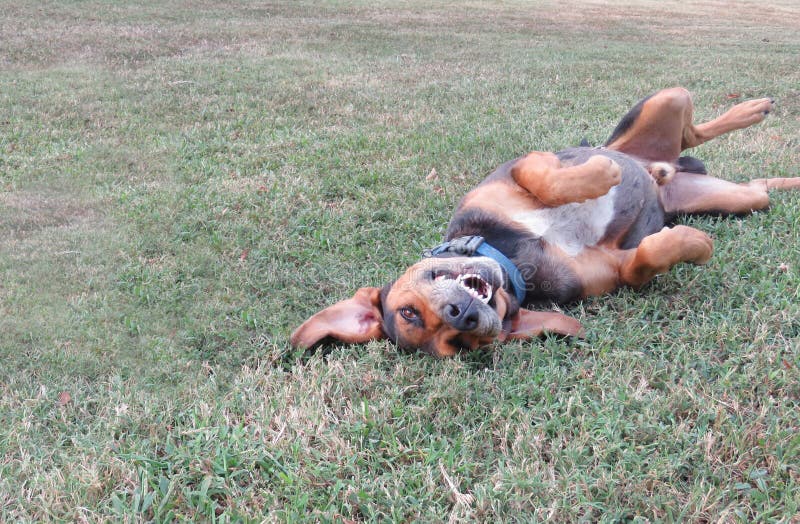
660, 251
542, 175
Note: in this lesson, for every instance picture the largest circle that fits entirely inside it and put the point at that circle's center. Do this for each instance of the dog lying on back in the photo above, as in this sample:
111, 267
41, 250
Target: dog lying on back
556, 227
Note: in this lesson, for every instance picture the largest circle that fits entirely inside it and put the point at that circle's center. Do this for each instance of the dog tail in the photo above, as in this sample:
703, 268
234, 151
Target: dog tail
690, 164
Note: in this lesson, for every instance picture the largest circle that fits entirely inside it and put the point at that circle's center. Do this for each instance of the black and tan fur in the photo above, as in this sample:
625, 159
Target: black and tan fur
580, 222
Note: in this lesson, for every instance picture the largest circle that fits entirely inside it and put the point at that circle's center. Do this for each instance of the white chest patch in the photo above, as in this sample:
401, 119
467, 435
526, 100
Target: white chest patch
571, 227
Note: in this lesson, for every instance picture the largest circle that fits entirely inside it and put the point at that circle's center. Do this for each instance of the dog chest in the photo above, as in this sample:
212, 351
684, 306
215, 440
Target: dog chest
571, 227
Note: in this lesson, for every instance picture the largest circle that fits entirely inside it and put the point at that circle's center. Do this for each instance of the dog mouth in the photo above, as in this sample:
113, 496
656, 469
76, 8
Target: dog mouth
474, 284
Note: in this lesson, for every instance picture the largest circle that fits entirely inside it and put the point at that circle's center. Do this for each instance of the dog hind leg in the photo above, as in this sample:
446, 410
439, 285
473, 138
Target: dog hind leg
690, 193
659, 127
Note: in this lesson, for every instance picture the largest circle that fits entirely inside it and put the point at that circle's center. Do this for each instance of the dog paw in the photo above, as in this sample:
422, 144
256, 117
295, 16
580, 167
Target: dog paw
751, 112
604, 173
695, 246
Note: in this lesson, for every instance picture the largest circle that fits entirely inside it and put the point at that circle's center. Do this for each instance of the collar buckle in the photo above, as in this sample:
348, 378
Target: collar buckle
464, 246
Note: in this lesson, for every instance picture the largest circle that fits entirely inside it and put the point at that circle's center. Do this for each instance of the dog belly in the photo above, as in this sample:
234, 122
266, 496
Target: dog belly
637, 208
625, 215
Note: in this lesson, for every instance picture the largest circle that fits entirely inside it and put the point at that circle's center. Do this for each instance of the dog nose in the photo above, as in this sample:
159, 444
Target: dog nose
463, 317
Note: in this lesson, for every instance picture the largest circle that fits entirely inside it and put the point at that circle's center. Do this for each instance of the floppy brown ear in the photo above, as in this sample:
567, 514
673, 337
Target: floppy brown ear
529, 324
354, 320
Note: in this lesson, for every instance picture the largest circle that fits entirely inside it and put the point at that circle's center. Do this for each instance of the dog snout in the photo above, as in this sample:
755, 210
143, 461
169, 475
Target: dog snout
464, 315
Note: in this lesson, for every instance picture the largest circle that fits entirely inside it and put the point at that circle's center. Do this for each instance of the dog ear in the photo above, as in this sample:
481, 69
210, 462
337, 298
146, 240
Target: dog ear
528, 324
357, 319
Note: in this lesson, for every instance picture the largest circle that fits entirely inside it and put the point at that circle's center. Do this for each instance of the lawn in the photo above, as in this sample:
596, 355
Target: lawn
183, 183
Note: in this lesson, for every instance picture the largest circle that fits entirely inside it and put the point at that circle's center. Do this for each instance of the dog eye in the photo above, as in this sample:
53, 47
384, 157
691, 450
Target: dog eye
408, 313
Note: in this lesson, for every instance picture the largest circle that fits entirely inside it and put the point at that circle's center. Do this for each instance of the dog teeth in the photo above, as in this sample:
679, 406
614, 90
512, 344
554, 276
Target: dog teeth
483, 291
473, 284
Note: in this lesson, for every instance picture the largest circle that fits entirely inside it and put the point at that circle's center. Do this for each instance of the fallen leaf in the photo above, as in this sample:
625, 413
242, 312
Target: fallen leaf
783, 268
786, 364
64, 398
433, 175
731, 96
243, 256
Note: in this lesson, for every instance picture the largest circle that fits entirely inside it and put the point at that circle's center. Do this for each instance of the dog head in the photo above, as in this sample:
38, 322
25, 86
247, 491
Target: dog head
440, 306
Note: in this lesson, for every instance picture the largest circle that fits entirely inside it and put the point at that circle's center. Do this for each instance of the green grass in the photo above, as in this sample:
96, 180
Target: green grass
182, 184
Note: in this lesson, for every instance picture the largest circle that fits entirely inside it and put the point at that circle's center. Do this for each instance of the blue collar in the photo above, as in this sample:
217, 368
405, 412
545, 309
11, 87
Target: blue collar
475, 245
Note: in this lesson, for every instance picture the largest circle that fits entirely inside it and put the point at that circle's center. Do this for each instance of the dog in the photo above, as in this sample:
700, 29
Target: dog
556, 228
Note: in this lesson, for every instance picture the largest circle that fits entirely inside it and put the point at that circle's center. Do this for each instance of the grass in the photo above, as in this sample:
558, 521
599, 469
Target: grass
181, 184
